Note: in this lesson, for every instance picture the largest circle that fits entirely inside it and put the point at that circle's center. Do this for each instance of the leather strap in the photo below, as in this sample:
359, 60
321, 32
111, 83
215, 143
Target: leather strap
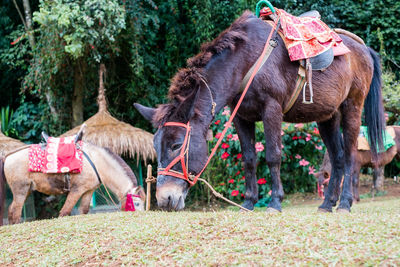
93, 166
300, 82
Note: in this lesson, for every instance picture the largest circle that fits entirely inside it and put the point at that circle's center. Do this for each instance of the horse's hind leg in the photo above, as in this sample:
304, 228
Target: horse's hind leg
246, 132
351, 122
70, 202
85, 202
332, 137
19, 196
356, 182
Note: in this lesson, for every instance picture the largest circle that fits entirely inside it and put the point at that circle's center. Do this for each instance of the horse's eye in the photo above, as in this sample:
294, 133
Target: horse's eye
176, 146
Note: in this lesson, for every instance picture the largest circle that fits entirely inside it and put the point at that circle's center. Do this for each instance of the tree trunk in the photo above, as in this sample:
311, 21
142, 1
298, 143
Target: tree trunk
28, 22
79, 90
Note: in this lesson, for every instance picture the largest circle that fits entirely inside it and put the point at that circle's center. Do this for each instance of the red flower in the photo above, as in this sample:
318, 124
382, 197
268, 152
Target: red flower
224, 145
217, 122
234, 193
218, 135
237, 173
242, 195
229, 136
225, 155
239, 156
316, 131
243, 177
231, 181
262, 181
222, 184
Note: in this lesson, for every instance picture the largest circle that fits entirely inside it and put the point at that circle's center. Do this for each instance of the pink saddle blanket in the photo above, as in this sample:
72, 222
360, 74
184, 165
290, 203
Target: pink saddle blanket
307, 37
59, 156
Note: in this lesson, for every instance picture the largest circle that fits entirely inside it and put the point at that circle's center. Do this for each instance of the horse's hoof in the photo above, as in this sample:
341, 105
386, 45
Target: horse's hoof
321, 210
342, 211
273, 211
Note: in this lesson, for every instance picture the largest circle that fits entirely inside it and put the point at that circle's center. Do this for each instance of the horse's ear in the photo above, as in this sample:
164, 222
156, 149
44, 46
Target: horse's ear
147, 113
187, 107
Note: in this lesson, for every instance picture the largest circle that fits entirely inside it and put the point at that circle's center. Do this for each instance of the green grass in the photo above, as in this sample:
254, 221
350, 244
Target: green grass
370, 235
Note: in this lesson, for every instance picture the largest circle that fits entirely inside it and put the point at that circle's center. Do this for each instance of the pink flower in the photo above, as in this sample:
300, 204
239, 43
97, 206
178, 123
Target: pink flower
316, 131
282, 132
308, 138
297, 156
311, 170
231, 181
303, 162
225, 155
318, 147
270, 192
262, 181
217, 122
226, 112
218, 135
224, 145
235, 137
282, 146
228, 124
386, 116
299, 125
239, 156
259, 147
234, 193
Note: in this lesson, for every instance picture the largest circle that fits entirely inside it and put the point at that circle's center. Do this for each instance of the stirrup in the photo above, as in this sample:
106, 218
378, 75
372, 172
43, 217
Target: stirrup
305, 101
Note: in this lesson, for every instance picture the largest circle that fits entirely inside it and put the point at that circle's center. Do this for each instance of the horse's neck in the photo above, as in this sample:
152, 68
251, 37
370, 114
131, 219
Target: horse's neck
112, 174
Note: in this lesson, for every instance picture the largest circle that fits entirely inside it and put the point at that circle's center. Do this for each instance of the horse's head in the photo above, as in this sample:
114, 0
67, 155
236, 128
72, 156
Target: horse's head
322, 182
138, 197
181, 153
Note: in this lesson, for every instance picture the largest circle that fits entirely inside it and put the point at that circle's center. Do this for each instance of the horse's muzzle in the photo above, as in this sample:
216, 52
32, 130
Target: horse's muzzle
171, 196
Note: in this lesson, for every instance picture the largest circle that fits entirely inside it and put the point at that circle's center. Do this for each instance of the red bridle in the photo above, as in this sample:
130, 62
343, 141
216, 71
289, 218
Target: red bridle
185, 175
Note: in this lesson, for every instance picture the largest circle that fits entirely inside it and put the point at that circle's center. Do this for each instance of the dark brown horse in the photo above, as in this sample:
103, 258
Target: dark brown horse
215, 74
363, 158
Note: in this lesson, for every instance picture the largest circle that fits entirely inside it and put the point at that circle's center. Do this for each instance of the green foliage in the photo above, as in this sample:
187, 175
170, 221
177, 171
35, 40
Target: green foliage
5, 120
80, 26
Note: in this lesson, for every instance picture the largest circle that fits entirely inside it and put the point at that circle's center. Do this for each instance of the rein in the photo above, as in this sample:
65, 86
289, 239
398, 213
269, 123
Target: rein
185, 175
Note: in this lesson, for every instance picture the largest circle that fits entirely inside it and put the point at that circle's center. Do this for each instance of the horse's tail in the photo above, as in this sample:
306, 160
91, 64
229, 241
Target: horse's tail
373, 107
2, 189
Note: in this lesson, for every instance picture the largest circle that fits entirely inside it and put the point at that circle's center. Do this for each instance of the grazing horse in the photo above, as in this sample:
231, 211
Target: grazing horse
363, 158
114, 173
215, 75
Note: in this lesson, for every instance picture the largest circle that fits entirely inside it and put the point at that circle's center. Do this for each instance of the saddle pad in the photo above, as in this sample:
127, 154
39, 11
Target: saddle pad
307, 37
60, 156
388, 141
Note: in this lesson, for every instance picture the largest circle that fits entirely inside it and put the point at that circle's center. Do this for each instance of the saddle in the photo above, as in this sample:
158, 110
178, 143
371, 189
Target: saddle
307, 64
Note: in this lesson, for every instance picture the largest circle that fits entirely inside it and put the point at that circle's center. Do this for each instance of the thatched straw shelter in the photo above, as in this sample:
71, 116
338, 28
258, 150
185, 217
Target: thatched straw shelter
106, 131
8, 144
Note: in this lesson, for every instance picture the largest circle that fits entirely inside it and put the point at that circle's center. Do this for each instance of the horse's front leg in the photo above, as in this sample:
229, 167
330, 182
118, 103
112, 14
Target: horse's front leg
72, 199
272, 119
246, 132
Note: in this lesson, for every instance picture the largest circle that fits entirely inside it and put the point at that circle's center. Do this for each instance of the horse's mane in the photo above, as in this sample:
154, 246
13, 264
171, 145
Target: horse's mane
187, 80
128, 171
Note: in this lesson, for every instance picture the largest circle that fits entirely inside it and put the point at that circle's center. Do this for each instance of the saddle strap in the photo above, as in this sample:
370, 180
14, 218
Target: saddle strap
93, 166
300, 83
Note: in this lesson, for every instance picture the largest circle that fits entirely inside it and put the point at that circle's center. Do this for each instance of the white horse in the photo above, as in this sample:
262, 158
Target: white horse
113, 172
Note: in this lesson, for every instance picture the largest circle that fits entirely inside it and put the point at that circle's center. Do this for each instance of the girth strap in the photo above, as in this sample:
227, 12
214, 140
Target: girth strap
93, 166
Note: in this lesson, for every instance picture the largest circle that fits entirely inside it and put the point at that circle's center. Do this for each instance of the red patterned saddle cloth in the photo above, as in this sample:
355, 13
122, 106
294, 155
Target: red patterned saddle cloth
307, 37
60, 156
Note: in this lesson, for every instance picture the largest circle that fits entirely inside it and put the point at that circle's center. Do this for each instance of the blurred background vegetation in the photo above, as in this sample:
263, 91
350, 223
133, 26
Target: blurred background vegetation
50, 53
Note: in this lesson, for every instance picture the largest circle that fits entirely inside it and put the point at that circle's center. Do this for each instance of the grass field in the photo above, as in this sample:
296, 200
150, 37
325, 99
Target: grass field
370, 235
